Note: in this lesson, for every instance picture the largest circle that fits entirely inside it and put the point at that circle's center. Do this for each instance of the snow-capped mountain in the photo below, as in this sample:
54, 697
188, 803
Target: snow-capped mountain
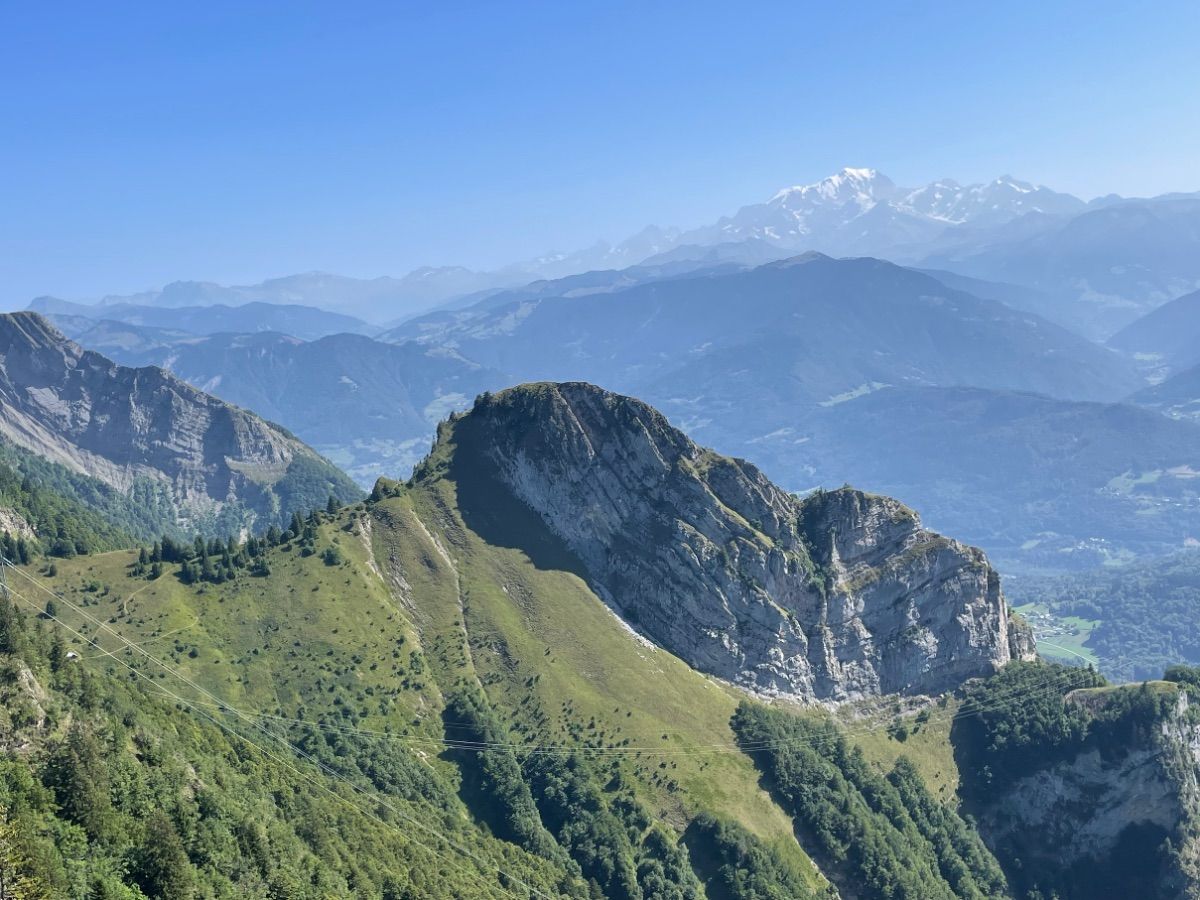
855, 212
993, 203
862, 211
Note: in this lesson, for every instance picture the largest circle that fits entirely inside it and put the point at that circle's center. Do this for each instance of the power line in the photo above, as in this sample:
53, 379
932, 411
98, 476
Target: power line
5, 564
525, 747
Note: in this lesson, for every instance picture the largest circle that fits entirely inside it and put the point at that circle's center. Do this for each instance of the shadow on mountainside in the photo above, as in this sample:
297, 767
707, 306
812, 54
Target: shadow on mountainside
501, 519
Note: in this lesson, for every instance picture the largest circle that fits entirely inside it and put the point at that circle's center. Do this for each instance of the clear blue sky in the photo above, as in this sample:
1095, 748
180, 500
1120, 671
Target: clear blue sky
144, 143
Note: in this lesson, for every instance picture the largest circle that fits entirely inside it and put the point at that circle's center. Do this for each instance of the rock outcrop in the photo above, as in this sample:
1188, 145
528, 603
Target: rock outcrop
80, 409
838, 596
1126, 807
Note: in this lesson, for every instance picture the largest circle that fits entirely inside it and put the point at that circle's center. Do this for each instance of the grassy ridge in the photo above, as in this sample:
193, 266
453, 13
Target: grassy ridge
446, 589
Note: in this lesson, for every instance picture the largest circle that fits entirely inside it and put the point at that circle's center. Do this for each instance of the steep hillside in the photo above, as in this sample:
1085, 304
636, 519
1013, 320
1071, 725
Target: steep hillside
412, 661
58, 511
450, 649
368, 406
223, 467
130, 785
1085, 791
1167, 338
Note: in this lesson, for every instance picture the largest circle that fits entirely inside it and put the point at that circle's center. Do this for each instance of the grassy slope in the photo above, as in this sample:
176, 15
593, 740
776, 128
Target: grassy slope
421, 602
245, 637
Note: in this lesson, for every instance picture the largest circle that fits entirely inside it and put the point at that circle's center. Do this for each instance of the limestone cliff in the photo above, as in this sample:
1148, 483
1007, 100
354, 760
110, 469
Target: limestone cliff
838, 596
77, 408
1113, 815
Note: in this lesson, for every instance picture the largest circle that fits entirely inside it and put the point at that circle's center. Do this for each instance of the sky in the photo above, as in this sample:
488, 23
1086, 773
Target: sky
148, 142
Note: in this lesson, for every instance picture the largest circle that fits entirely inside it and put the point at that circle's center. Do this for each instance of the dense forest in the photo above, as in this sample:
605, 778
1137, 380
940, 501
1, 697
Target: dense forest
880, 836
108, 790
66, 514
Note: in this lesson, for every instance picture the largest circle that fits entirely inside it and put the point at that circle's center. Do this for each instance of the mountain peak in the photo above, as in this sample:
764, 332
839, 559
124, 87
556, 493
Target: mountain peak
709, 559
30, 329
857, 184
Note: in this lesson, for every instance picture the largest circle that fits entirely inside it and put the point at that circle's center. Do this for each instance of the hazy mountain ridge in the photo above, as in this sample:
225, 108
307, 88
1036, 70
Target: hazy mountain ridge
857, 211
1178, 396
375, 299
368, 406
1167, 339
850, 313
306, 322
1104, 268
1041, 483
224, 466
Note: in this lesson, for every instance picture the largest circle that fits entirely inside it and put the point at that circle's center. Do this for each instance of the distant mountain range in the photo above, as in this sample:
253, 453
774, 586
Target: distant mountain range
1101, 269
862, 212
1094, 266
1042, 483
368, 406
929, 379
993, 422
830, 371
375, 299
807, 330
306, 322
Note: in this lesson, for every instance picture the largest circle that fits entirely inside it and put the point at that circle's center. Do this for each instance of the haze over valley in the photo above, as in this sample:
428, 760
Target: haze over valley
530, 451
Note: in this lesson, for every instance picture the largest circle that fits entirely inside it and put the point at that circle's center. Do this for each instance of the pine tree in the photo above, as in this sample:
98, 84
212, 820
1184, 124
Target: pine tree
15, 882
161, 866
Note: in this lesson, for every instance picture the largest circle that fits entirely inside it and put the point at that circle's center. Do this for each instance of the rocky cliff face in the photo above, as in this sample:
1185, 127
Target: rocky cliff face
1110, 805
838, 596
78, 408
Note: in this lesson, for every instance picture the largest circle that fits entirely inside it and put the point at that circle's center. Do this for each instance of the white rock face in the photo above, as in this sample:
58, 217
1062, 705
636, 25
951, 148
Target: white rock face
1081, 808
12, 522
839, 596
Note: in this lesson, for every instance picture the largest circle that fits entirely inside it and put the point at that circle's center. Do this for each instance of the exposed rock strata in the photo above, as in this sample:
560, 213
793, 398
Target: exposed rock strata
837, 596
115, 423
